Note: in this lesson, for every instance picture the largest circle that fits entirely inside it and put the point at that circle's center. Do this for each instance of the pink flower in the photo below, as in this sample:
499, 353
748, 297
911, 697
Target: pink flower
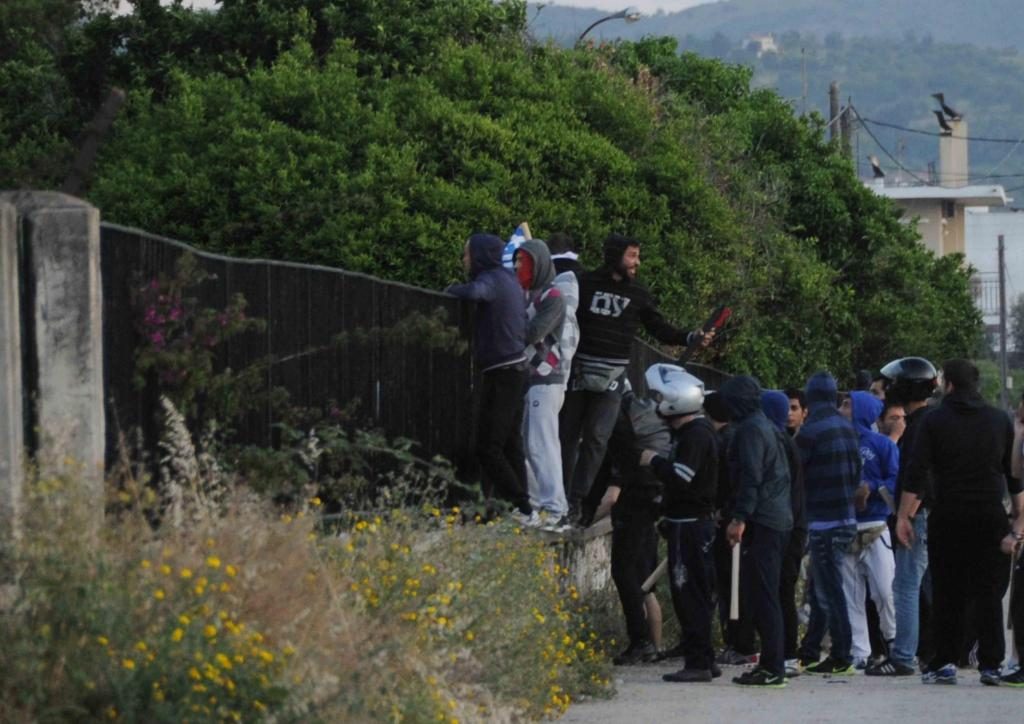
175, 313
157, 339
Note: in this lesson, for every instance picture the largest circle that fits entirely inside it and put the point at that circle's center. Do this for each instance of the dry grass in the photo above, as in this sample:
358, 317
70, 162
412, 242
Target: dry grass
242, 613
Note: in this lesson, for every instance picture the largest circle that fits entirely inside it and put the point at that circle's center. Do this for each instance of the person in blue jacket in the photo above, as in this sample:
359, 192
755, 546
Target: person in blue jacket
870, 565
499, 344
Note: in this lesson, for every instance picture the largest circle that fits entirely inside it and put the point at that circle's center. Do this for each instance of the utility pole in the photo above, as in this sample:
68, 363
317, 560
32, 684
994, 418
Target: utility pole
845, 132
1004, 372
803, 78
833, 110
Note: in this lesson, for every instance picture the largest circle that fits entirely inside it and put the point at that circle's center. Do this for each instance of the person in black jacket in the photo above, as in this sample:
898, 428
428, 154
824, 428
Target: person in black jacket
498, 342
761, 522
689, 474
775, 405
967, 445
613, 307
633, 496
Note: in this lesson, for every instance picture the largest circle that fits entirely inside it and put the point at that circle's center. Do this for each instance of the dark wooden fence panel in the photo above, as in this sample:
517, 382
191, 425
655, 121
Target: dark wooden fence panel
396, 386
403, 388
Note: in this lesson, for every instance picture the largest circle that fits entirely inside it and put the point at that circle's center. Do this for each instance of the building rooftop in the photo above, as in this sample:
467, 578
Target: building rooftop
963, 195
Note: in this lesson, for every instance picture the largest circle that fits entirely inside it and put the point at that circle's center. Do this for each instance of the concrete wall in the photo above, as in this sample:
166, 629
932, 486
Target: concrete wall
12, 441
63, 311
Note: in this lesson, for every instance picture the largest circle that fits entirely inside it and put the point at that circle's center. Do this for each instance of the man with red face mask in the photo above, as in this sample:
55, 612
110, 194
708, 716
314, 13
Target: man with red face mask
545, 315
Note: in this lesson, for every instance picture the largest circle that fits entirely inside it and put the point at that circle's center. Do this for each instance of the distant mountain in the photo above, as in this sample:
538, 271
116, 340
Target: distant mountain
988, 23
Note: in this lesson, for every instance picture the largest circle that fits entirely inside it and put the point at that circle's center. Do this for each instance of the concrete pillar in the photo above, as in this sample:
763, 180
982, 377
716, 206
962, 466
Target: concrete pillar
61, 243
12, 423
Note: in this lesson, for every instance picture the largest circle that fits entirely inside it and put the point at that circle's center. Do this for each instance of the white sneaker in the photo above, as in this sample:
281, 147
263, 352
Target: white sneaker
526, 520
793, 668
556, 524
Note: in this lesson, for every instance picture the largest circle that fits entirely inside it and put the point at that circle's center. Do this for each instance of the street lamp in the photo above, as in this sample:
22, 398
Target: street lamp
630, 15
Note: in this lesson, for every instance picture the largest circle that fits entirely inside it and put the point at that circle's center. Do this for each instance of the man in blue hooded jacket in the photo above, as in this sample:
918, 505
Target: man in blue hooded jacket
762, 518
830, 452
870, 565
499, 344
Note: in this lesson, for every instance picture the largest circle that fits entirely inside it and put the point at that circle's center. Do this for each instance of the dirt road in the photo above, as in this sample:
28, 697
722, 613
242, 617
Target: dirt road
644, 697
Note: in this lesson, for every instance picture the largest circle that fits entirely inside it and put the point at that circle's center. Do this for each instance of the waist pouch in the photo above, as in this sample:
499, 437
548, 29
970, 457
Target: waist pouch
597, 379
866, 537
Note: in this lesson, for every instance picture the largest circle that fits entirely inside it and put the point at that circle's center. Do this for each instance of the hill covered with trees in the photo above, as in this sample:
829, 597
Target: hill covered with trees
986, 23
376, 137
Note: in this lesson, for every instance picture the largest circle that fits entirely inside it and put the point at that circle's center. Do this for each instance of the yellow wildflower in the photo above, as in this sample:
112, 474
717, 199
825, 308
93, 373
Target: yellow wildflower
213, 561
177, 635
128, 664
186, 573
210, 631
102, 640
184, 620
165, 569
158, 594
141, 646
145, 563
231, 570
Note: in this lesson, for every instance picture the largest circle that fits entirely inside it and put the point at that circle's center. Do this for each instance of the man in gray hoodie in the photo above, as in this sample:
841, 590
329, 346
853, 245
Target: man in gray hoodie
762, 518
546, 317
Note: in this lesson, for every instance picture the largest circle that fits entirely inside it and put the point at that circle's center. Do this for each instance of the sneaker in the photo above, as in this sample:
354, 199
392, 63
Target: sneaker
760, 677
831, 667
525, 520
860, 664
638, 653
689, 676
888, 667
793, 668
731, 657
991, 677
676, 652
556, 524
945, 675
1016, 679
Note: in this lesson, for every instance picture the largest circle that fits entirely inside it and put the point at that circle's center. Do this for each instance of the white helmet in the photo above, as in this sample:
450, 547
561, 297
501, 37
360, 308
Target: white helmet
680, 393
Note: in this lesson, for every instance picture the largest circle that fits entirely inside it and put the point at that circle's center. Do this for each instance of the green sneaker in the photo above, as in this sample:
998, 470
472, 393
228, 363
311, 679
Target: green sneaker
1016, 679
831, 667
760, 678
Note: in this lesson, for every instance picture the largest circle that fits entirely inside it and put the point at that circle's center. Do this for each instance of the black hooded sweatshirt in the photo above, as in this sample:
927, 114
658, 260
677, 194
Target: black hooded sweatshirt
757, 459
690, 471
966, 445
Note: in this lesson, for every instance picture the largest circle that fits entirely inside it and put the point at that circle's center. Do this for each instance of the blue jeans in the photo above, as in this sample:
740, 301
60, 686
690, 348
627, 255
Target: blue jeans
828, 550
911, 563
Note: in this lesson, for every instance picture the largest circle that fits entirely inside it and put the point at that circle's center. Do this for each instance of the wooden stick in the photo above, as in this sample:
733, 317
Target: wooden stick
653, 578
734, 594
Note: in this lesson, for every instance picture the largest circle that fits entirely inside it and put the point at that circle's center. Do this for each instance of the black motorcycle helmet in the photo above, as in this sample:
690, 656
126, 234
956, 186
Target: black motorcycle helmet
909, 379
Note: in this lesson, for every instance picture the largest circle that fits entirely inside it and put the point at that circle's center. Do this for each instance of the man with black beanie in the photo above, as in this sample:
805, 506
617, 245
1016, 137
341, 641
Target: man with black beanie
613, 306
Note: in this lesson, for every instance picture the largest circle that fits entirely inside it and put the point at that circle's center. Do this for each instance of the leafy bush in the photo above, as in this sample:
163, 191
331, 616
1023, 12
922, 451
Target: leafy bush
409, 614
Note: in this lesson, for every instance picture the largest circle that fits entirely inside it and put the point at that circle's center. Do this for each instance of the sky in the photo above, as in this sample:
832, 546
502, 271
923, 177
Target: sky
645, 6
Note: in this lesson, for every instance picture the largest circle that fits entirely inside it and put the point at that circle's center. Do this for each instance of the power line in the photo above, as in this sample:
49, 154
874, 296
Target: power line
885, 150
980, 139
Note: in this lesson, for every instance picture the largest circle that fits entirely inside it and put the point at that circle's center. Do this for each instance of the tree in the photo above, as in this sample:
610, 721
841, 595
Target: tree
289, 129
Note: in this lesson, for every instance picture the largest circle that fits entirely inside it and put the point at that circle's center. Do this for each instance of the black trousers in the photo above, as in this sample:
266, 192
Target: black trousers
968, 567
788, 577
634, 558
738, 635
691, 570
761, 565
1017, 608
500, 436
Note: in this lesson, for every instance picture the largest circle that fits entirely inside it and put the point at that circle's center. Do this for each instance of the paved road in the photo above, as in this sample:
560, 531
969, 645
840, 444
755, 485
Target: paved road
644, 697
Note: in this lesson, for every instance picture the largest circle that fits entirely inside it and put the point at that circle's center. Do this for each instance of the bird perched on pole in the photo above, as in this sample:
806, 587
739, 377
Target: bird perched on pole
953, 115
947, 130
876, 167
